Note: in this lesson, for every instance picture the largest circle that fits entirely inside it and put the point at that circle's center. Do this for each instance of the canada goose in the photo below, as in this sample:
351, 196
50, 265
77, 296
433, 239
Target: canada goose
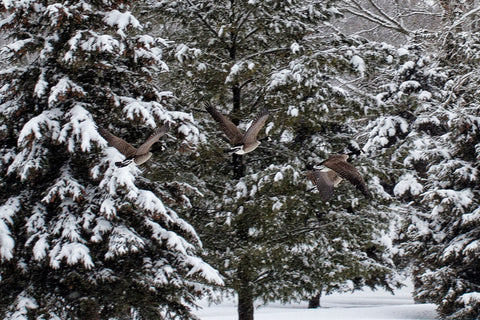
335, 169
242, 143
132, 154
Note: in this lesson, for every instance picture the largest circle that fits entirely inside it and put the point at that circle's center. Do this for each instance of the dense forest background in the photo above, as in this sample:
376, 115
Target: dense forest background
393, 84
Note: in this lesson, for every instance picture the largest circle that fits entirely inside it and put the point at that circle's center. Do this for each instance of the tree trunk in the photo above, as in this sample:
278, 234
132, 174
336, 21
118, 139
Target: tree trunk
314, 302
244, 289
237, 160
238, 166
245, 304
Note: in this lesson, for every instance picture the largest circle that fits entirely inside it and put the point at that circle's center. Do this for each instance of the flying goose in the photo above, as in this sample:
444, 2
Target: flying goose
335, 169
242, 143
132, 154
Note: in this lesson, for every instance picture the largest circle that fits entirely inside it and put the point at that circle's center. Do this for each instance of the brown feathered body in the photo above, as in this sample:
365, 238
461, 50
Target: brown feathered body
242, 143
133, 155
335, 169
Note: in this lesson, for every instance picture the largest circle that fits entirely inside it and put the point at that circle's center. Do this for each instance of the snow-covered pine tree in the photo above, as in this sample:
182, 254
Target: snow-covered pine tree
270, 238
79, 237
429, 133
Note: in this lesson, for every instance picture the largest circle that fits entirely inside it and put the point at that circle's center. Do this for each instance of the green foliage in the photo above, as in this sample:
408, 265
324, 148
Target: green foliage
432, 141
262, 229
79, 237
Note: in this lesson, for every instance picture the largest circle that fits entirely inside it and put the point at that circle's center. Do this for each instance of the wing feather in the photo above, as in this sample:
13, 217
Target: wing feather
227, 126
121, 145
323, 183
348, 172
257, 124
145, 147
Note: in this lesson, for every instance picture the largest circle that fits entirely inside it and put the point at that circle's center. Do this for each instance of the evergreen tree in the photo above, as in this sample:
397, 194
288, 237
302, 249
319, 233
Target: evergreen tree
271, 238
79, 237
432, 139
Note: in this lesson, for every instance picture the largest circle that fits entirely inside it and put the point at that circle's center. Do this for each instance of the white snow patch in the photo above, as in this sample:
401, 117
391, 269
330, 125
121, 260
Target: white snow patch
32, 129
402, 52
40, 248
7, 243
269, 127
408, 183
360, 305
277, 206
409, 85
63, 89
287, 136
295, 48
359, 64
108, 208
424, 95
204, 269
23, 303
471, 298
121, 20
73, 253
278, 177
293, 111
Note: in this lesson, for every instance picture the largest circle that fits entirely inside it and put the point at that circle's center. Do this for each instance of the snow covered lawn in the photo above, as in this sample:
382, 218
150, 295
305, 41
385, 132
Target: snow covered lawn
365, 304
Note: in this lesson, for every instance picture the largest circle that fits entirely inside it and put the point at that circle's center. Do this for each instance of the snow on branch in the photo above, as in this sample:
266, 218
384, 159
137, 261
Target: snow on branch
383, 129
28, 161
123, 240
205, 270
81, 128
102, 43
41, 86
108, 208
456, 169
64, 89
57, 12
64, 187
114, 178
7, 211
90, 41
121, 20
40, 248
15, 47
463, 18
376, 15
427, 149
467, 304
102, 226
177, 243
32, 129
408, 183
72, 253
147, 111
147, 50
473, 217
23, 303
171, 239
447, 200
149, 202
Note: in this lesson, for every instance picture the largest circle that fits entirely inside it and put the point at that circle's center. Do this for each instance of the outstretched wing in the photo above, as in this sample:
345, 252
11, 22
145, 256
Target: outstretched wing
145, 147
227, 126
323, 182
255, 127
348, 172
121, 145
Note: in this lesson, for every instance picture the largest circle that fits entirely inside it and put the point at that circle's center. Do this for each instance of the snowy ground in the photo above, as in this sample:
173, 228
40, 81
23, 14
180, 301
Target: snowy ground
361, 305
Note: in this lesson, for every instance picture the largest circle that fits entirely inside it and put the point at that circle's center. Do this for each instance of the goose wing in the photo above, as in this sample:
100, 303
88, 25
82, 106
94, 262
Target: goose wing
256, 126
227, 126
348, 172
121, 145
145, 147
323, 182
